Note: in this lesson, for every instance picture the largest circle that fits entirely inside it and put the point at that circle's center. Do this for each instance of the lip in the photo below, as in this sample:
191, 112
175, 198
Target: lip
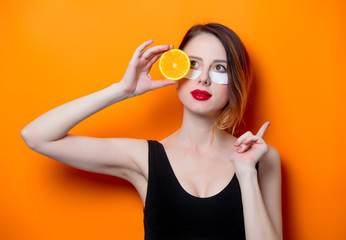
200, 95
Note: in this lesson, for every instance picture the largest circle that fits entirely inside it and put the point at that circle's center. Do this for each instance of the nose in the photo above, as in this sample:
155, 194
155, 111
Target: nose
204, 79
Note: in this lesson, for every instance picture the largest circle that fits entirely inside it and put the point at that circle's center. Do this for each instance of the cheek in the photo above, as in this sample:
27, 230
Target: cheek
223, 94
182, 87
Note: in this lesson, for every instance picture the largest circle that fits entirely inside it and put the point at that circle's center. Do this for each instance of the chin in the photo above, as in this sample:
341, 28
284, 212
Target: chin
203, 109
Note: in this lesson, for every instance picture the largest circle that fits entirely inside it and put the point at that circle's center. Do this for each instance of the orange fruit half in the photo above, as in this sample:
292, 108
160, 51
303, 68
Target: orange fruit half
174, 64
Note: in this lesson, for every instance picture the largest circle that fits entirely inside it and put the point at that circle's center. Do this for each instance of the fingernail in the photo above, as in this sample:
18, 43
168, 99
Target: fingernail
236, 143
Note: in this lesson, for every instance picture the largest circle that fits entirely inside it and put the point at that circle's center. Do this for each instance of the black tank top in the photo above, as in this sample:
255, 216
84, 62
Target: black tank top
172, 213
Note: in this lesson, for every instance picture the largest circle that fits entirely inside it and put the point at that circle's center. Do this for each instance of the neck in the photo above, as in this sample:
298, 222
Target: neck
197, 131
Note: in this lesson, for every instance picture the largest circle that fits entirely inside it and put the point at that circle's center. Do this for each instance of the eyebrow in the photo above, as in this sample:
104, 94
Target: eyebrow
216, 60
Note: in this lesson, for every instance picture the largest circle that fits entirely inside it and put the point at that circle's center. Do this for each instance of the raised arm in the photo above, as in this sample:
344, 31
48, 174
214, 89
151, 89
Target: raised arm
48, 134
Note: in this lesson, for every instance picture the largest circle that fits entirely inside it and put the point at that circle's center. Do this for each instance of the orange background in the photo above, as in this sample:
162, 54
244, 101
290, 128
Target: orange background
53, 52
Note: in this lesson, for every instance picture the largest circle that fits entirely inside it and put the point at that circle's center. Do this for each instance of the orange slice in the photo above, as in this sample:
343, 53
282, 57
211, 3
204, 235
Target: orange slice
174, 64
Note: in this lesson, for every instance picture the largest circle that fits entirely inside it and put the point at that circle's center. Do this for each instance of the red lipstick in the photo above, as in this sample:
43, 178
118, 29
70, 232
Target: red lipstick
200, 95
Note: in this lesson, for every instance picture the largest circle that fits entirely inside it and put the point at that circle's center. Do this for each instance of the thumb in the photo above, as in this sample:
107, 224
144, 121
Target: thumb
162, 83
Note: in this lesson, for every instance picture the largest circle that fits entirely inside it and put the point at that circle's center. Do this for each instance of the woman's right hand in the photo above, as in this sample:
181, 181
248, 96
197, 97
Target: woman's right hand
137, 79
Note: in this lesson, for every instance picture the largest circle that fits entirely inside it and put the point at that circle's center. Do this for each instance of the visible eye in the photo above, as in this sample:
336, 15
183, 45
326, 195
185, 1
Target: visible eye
220, 68
194, 64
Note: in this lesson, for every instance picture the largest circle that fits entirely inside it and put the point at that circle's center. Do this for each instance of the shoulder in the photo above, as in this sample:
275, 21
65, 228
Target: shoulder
270, 164
133, 150
131, 146
272, 156
139, 151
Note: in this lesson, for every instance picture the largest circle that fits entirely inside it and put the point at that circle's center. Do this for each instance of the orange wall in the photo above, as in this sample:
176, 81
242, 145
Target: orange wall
55, 51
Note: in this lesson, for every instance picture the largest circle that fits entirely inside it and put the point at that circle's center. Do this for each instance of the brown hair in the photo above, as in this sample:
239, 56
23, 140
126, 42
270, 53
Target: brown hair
239, 72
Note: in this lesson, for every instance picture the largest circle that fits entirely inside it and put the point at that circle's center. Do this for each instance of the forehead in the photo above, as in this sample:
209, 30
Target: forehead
206, 46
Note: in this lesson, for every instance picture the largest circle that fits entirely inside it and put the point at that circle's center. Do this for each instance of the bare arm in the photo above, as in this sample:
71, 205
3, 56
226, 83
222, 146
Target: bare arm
56, 123
262, 200
261, 196
48, 134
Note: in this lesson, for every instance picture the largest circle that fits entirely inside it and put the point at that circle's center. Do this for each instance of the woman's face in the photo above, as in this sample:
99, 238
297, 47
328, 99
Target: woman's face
206, 53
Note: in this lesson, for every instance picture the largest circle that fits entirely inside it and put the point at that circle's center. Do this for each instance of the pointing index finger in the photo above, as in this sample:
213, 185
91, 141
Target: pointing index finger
261, 131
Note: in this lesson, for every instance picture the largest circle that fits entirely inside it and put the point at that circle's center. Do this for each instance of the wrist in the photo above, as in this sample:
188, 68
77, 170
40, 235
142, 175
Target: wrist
244, 171
118, 92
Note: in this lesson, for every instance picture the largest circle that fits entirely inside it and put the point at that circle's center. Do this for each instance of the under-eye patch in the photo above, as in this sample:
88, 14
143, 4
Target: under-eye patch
220, 78
193, 74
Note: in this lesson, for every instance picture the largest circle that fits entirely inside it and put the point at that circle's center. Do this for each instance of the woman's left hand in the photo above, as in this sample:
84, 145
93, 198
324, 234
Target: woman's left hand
248, 149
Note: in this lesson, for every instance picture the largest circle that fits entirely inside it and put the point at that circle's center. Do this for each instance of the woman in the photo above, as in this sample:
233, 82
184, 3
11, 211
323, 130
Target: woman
201, 182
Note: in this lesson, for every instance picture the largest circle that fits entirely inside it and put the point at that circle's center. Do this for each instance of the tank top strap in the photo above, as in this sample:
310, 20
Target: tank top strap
153, 157
156, 158
159, 174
